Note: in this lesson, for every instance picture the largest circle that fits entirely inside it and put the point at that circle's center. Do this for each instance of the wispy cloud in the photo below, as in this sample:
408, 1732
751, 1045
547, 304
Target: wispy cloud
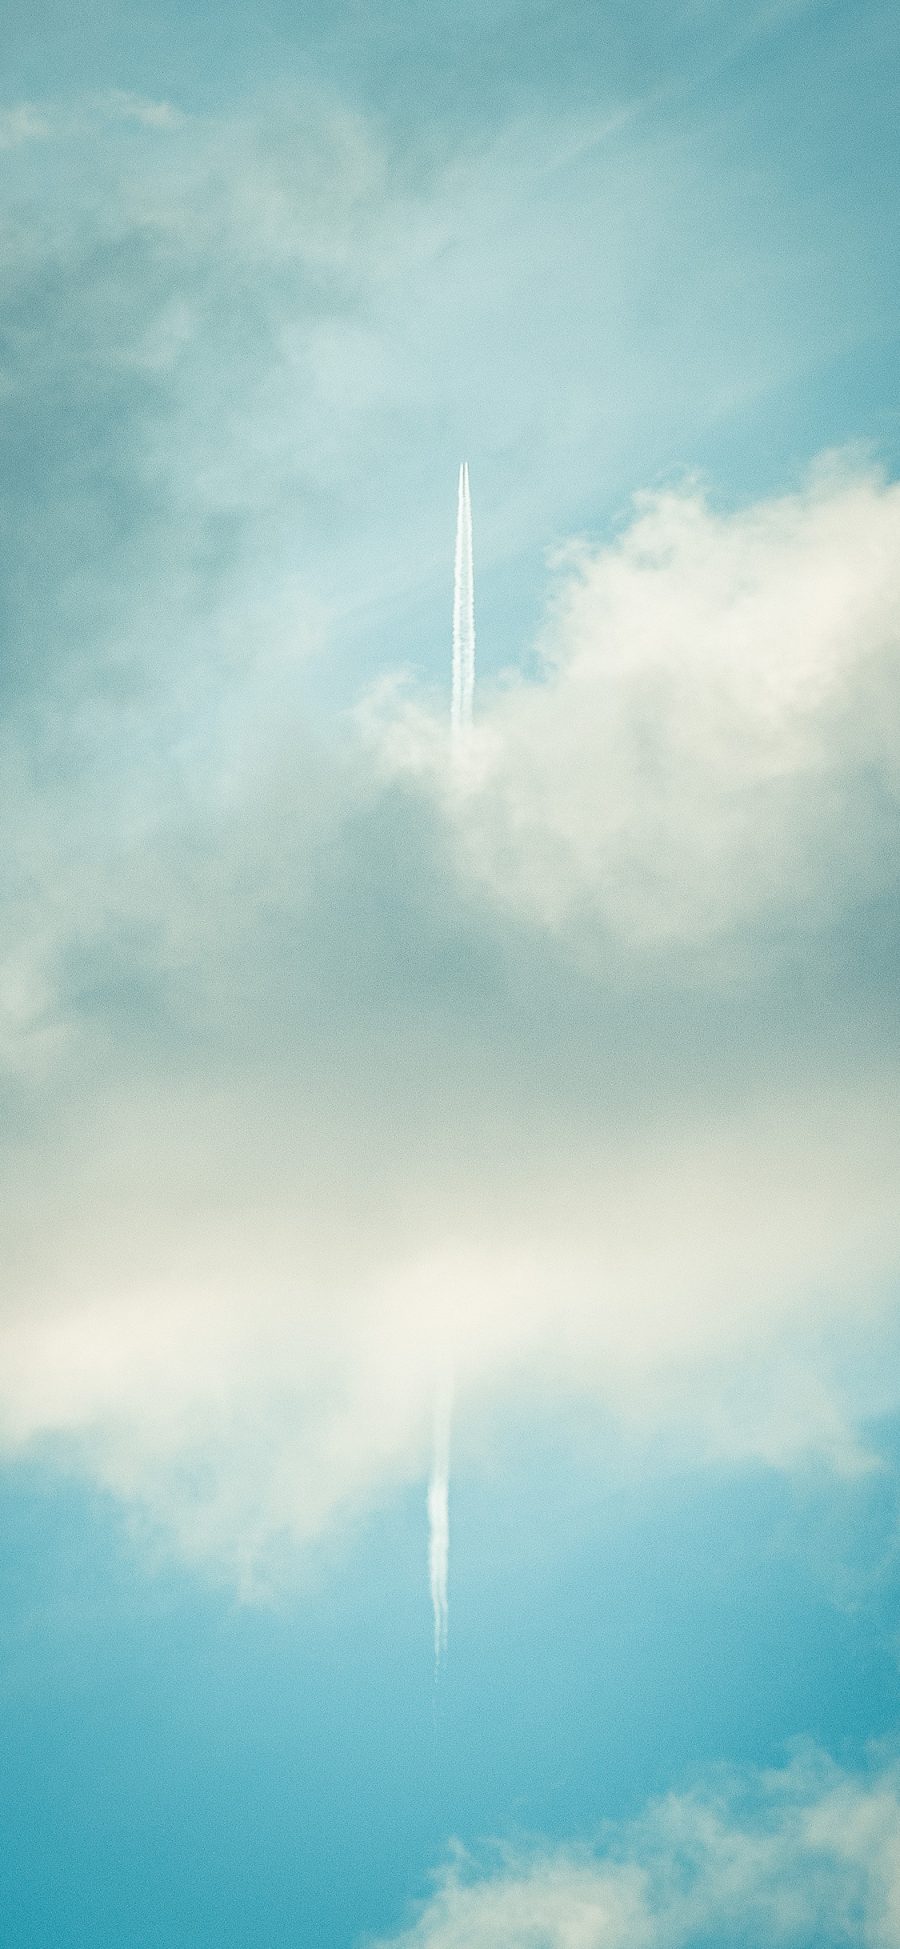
24, 123
806, 1856
128, 107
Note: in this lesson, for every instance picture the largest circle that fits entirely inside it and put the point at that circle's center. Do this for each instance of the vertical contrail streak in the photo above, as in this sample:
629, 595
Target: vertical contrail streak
462, 699
463, 617
439, 1521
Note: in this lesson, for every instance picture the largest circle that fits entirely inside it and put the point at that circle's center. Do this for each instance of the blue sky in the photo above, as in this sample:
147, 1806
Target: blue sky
334, 1070
189, 1769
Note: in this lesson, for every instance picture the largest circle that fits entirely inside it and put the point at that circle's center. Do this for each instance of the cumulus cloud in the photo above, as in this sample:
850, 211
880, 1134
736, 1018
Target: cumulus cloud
710, 742
809, 1855
326, 1098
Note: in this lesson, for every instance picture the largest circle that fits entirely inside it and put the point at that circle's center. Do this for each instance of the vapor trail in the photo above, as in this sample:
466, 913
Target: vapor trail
463, 617
462, 698
439, 1521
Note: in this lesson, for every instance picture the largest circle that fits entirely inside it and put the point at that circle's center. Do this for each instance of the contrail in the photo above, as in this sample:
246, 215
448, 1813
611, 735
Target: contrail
439, 1521
463, 617
462, 699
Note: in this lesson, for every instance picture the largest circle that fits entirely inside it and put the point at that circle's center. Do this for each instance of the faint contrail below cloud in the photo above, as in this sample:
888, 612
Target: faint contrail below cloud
439, 1520
463, 692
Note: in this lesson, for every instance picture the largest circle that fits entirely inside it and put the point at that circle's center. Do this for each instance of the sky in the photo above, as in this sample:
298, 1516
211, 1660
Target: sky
372, 1107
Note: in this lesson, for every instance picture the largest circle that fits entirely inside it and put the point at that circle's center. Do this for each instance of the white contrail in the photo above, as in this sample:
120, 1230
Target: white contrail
463, 617
462, 699
439, 1521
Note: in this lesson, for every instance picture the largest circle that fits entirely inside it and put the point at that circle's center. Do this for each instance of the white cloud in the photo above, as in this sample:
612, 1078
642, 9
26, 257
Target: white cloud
712, 740
291, 1113
300, 1119
149, 114
231, 1295
807, 1856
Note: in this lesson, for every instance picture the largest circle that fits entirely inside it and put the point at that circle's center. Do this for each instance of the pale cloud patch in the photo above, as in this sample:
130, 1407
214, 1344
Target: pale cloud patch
310, 1092
232, 1299
122, 105
806, 1856
23, 123
316, 1095
711, 743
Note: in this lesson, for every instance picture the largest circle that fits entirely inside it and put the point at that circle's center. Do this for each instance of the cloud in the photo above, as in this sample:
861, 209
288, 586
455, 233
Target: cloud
24, 123
708, 746
320, 1075
809, 1855
243, 351
138, 108
304, 1110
